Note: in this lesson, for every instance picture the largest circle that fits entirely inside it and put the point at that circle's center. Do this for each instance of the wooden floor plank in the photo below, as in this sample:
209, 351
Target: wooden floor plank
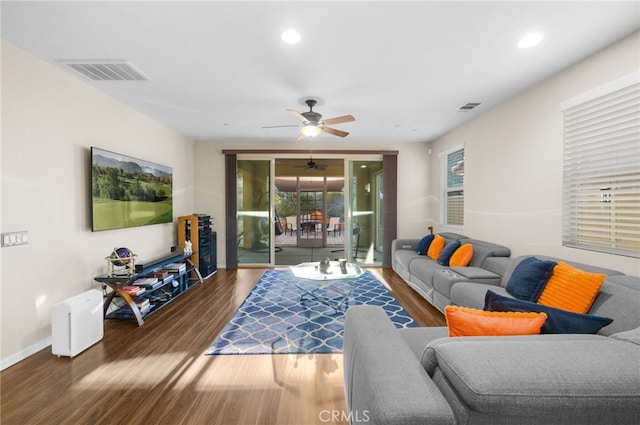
158, 374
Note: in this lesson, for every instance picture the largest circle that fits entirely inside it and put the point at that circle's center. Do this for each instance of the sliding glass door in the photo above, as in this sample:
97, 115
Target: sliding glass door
355, 196
254, 211
365, 211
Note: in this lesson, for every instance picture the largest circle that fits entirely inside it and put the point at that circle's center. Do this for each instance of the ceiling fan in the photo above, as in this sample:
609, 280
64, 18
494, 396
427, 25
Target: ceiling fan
311, 165
313, 124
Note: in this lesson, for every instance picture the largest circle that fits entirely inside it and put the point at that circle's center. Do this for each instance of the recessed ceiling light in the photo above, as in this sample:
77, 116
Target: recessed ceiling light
530, 40
291, 36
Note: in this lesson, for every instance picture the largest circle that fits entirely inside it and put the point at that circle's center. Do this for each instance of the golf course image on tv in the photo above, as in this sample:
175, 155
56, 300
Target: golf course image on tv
129, 192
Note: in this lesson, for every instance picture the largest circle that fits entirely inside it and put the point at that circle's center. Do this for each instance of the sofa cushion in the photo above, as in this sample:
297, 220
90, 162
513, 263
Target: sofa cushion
464, 321
483, 250
631, 282
472, 294
436, 247
632, 335
537, 374
462, 256
424, 244
445, 279
404, 257
618, 302
570, 288
496, 265
447, 252
529, 278
418, 338
423, 268
558, 321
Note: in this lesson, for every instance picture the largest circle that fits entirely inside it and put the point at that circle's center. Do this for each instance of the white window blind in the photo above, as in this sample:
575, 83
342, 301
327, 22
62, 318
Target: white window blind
452, 166
601, 190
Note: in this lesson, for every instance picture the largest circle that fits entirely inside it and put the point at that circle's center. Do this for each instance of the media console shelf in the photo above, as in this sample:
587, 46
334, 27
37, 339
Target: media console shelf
172, 272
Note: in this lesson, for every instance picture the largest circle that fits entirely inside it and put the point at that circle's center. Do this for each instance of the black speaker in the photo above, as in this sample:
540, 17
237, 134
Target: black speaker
207, 246
207, 254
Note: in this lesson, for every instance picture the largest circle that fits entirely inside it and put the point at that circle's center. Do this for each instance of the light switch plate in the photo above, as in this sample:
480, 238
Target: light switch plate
15, 238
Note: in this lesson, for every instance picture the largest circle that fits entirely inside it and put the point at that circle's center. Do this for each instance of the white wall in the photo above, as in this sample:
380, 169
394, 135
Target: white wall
513, 162
49, 122
50, 119
412, 177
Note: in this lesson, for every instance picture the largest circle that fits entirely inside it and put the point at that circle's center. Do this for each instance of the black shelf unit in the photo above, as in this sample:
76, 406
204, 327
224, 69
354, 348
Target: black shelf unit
118, 304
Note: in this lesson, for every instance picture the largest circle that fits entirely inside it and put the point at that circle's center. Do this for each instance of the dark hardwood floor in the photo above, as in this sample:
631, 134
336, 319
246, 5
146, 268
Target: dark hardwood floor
158, 374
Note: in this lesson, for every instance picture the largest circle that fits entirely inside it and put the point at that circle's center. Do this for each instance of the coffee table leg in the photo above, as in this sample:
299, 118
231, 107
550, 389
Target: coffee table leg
326, 300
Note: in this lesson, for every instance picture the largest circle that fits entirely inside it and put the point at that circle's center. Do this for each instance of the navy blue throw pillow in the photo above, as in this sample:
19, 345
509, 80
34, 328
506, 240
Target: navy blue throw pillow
558, 321
529, 278
447, 252
423, 245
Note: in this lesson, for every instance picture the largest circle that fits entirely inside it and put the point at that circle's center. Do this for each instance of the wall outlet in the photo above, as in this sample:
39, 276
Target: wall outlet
14, 238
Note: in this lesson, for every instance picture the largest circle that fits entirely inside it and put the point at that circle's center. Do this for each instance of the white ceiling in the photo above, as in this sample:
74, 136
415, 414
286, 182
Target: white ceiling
220, 71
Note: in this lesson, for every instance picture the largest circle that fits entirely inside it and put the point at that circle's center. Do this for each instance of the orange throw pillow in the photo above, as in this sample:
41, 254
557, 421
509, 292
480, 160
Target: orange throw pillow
464, 321
436, 247
571, 289
462, 256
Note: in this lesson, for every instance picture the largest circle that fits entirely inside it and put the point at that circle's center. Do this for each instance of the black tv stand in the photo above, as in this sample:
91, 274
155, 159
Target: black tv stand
120, 304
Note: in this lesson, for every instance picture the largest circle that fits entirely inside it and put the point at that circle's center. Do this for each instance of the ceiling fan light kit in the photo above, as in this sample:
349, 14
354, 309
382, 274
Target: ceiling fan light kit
312, 165
313, 124
310, 130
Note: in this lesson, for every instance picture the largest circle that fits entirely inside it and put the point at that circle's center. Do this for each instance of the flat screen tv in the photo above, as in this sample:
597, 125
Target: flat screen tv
129, 192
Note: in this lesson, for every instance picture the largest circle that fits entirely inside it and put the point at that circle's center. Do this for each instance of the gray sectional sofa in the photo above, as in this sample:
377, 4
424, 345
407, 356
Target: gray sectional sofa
422, 376
434, 281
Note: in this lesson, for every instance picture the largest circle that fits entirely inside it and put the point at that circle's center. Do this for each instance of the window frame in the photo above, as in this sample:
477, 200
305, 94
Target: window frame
446, 158
601, 168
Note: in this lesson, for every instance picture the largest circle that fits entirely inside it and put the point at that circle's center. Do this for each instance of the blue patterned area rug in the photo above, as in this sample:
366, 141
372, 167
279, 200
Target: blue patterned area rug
278, 317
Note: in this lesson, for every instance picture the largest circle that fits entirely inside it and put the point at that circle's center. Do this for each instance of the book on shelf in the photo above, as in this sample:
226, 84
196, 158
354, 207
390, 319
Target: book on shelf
133, 290
142, 303
146, 281
160, 274
152, 283
176, 268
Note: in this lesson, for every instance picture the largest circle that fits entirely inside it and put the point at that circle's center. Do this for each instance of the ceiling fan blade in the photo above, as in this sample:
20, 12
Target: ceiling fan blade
339, 120
301, 136
279, 126
320, 167
335, 132
297, 115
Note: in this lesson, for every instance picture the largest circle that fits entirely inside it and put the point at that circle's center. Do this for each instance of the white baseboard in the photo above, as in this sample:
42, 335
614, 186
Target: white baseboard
23, 354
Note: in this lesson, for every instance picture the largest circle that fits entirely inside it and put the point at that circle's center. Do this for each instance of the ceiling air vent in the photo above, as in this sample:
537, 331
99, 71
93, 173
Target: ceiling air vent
106, 70
467, 107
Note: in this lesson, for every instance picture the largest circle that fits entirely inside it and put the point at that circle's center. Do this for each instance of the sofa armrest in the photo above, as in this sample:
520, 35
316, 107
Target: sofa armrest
383, 379
477, 274
397, 244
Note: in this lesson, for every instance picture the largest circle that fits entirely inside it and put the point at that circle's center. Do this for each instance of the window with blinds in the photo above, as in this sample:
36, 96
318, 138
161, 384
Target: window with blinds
452, 181
601, 186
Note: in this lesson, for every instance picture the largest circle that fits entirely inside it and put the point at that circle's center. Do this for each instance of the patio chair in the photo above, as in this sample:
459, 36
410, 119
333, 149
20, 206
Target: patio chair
334, 226
292, 224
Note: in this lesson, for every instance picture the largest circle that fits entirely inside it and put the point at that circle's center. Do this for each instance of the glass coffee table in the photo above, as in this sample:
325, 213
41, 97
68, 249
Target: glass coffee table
332, 288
